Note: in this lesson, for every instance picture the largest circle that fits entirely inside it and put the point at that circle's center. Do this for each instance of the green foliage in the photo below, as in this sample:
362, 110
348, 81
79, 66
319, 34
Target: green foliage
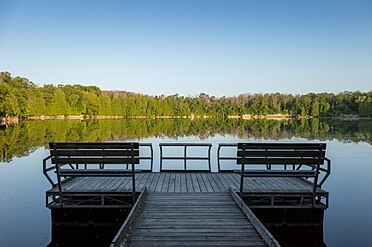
8, 101
21, 97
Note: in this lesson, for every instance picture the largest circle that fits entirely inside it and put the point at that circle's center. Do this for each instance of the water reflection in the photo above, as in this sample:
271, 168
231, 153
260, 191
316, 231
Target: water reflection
85, 227
294, 227
22, 139
25, 219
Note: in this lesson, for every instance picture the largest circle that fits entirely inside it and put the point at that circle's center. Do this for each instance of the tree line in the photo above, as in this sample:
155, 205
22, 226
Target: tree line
21, 97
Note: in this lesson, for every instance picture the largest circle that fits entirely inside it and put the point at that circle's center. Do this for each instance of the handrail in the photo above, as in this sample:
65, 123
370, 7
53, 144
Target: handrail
326, 170
151, 157
46, 170
185, 157
219, 158
129, 221
257, 224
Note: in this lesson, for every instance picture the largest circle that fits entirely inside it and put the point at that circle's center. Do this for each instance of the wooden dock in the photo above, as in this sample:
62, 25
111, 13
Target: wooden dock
193, 219
187, 207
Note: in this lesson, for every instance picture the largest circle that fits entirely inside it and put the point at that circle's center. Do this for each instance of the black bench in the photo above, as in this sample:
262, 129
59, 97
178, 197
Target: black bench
281, 160
88, 159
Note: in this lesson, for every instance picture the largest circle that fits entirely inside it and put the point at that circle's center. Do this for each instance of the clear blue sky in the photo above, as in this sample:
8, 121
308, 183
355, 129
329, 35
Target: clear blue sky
188, 47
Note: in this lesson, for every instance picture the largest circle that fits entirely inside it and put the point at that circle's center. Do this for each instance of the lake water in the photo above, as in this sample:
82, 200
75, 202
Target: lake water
25, 221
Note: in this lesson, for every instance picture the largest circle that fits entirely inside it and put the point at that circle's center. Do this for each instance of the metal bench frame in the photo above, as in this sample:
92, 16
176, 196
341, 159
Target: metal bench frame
74, 159
294, 155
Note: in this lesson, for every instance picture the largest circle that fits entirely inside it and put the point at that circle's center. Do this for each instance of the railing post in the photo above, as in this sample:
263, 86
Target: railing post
209, 158
161, 157
45, 172
218, 157
184, 157
241, 180
328, 172
152, 157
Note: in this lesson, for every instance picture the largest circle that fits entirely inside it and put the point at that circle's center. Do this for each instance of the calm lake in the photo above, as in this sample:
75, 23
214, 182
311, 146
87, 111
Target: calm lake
25, 221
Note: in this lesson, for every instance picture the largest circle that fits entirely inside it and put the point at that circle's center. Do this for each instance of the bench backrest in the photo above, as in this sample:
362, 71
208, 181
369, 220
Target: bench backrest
281, 153
94, 153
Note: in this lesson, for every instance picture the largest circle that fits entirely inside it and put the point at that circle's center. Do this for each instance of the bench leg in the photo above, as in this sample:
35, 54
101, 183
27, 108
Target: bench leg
242, 181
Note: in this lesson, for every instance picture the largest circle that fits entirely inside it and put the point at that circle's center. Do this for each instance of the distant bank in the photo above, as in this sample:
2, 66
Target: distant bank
6, 121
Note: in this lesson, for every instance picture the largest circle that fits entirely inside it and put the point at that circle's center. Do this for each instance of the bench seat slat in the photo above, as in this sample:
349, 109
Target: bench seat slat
281, 153
98, 160
94, 145
297, 146
279, 161
279, 173
92, 152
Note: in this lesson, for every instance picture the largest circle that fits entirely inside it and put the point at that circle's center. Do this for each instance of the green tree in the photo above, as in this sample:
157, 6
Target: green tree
314, 108
8, 101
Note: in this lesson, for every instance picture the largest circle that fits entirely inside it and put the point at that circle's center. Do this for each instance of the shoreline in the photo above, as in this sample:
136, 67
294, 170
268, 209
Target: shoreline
6, 121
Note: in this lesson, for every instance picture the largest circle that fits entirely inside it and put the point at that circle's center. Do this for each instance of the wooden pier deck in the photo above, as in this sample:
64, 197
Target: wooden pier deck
189, 182
188, 207
194, 219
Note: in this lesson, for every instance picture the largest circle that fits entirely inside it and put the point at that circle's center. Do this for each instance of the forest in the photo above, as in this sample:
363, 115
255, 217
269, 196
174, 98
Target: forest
20, 97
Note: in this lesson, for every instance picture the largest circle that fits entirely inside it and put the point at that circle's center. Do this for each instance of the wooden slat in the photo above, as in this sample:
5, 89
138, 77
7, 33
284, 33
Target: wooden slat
69, 172
177, 181
280, 161
189, 183
281, 153
95, 160
278, 173
165, 185
94, 145
297, 146
154, 183
183, 182
172, 182
160, 182
200, 182
93, 152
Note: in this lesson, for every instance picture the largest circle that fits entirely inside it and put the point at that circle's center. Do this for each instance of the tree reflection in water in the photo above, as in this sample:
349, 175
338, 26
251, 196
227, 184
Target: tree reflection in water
21, 139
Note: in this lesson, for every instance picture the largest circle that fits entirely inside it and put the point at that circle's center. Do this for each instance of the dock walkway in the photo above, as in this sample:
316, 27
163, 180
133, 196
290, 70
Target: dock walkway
193, 219
187, 207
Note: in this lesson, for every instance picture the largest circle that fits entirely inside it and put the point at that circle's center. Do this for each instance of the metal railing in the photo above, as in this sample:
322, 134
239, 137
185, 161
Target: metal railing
219, 157
185, 156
